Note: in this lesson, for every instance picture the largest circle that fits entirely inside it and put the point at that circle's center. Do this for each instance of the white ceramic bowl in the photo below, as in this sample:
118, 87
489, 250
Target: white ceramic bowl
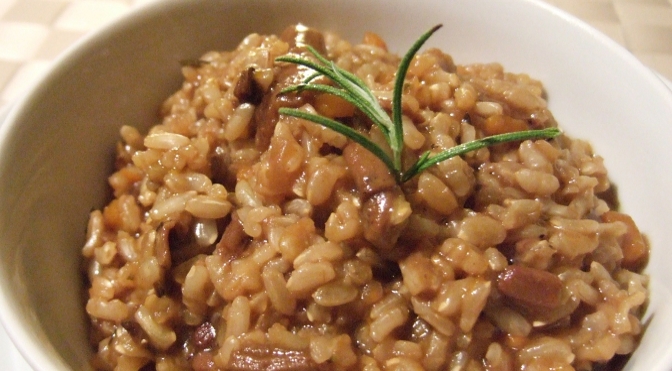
57, 143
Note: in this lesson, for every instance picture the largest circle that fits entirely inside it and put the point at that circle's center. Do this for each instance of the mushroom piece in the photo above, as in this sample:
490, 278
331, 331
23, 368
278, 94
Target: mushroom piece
260, 357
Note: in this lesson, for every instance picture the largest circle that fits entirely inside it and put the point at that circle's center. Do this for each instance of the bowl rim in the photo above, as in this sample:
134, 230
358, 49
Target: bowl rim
38, 357
660, 82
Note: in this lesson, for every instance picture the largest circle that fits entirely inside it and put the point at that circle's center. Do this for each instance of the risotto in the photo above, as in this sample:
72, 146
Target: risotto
241, 239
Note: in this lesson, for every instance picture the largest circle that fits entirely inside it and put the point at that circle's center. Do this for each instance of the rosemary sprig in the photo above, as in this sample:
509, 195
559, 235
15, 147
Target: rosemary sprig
352, 89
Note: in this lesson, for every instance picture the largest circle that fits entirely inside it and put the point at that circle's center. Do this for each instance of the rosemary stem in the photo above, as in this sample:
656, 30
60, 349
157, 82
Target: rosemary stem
426, 162
398, 133
352, 89
348, 132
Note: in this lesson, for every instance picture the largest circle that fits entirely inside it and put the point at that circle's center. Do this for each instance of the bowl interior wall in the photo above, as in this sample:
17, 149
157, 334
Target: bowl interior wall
60, 146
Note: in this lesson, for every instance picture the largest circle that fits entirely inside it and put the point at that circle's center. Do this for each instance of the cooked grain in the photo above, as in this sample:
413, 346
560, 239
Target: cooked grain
236, 234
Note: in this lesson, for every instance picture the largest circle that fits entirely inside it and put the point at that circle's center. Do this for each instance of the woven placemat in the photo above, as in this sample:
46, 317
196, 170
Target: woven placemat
643, 26
34, 32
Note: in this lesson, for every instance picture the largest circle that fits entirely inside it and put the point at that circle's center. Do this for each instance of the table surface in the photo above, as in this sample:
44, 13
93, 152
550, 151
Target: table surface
34, 32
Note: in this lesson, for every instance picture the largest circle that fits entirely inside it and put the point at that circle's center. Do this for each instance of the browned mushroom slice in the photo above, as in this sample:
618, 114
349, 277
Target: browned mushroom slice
266, 114
381, 219
368, 171
233, 239
298, 36
162, 244
247, 89
635, 248
263, 357
204, 336
531, 287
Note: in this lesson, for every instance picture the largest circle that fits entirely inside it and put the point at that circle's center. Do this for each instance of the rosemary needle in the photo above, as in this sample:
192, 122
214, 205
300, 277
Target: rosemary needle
352, 89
